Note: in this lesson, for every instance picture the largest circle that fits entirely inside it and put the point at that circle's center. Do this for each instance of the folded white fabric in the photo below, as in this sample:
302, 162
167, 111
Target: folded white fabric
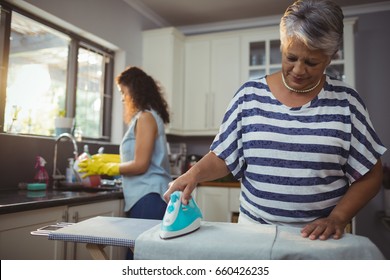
212, 241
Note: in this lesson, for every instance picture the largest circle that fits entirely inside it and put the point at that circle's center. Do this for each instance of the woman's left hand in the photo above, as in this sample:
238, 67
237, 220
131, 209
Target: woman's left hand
324, 228
358, 195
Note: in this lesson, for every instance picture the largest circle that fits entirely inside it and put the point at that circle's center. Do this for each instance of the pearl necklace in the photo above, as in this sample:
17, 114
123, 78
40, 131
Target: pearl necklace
299, 90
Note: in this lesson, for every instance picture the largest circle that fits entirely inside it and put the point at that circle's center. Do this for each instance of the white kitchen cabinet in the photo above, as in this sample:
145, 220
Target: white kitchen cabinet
218, 204
163, 59
234, 200
261, 54
111, 208
212, 71
343, 66
260, 51
16, 242
196, 85
225, 76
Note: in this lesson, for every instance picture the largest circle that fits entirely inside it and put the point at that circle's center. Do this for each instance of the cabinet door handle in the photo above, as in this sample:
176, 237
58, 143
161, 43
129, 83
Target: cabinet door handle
65, 216
212, 100
207, 117
75, 217
75, 220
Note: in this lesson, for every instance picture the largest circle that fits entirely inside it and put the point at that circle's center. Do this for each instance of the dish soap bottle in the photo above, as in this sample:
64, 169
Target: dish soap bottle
70, 177
41, 176
90, 181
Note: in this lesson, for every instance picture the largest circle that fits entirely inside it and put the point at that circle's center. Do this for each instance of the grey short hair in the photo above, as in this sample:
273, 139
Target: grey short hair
318, 24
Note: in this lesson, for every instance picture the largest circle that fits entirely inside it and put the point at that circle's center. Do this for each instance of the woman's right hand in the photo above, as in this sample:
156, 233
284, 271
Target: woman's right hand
209, 168
184, 183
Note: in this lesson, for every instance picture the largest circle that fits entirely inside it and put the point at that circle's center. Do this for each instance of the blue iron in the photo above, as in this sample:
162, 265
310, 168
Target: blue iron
180, 219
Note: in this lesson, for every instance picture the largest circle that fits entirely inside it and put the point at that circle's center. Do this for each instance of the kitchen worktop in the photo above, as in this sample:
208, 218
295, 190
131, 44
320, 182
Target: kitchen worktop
22, 200
234, 184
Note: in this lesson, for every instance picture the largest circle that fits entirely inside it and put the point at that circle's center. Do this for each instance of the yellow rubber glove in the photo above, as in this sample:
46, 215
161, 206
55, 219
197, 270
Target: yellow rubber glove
93, 166
106, 158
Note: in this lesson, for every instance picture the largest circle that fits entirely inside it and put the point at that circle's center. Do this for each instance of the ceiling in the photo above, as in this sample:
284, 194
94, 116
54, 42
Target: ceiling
191, 12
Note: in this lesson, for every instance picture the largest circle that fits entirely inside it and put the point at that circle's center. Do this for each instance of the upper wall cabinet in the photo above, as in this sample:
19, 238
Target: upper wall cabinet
212, 75
260, 51
261, 54
342, 66
163, 59
201, 73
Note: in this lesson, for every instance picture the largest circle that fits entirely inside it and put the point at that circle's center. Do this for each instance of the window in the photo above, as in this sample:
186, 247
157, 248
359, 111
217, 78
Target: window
90, 92
51, 72
36, 82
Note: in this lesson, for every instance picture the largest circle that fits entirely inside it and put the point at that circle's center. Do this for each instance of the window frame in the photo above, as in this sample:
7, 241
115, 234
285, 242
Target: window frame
77, 42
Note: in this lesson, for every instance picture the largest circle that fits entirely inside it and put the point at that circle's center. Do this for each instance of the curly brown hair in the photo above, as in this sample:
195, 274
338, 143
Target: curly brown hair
145, 92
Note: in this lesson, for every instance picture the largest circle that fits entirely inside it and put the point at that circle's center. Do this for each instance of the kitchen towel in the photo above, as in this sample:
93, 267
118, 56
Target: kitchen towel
212, 241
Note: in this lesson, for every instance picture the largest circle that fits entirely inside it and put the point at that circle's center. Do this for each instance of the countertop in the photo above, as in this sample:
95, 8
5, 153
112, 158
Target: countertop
220, 184
22, 200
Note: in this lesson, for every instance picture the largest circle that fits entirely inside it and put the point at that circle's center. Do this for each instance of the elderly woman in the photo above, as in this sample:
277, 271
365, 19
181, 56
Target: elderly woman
300, 142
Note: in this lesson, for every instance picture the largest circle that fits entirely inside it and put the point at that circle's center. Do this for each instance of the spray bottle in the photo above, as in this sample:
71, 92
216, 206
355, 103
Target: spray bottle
41, 176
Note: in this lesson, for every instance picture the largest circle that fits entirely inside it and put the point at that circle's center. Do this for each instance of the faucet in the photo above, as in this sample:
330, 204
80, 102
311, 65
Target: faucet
75, 152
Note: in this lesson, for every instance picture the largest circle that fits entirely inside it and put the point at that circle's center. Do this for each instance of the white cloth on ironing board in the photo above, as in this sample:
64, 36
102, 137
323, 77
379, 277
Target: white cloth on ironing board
290, 245
212, 241
222, 241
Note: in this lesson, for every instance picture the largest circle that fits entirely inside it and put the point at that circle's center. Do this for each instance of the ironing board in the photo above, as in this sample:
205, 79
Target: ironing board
210, 241
100, 231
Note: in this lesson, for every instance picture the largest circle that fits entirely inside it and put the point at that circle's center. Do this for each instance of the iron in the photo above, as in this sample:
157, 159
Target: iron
180, 219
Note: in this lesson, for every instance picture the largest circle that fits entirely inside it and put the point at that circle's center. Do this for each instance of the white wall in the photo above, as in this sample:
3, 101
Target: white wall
372, 58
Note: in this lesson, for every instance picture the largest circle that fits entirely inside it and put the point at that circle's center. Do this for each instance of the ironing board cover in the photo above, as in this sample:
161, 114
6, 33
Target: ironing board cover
113, 231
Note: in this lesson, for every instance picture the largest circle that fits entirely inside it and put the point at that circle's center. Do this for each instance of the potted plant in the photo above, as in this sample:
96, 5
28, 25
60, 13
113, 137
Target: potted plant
63, 124
386, 187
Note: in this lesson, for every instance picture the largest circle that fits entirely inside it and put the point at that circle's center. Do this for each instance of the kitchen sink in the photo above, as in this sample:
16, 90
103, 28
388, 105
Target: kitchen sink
78, 187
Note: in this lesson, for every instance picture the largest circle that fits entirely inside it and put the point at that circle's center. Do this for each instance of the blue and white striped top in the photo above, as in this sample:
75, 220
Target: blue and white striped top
295, 164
